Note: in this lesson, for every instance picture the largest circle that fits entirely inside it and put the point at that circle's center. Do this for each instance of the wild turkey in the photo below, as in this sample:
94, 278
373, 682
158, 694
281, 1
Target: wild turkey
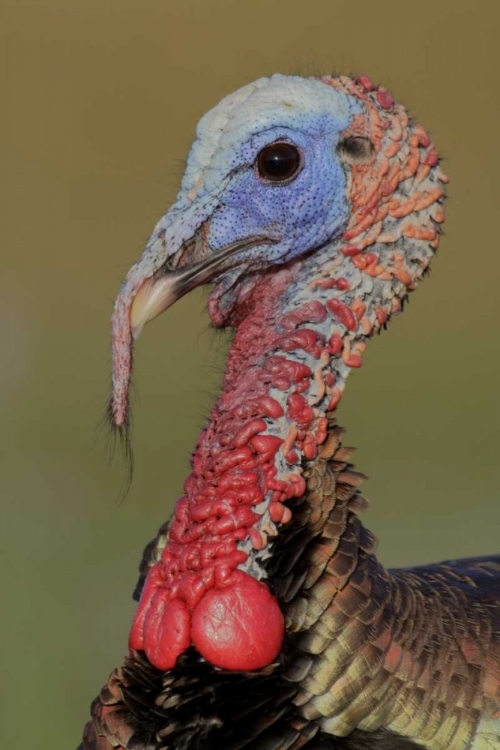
266, 620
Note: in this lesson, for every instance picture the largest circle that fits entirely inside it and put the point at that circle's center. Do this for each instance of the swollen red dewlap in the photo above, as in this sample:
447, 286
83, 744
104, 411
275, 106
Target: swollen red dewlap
239, 627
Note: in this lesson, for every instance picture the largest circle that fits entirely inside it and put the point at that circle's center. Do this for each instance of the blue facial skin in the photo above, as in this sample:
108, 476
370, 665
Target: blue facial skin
303, 213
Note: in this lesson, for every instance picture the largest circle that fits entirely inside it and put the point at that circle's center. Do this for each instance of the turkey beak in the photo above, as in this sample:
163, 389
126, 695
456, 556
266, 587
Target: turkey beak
170, 283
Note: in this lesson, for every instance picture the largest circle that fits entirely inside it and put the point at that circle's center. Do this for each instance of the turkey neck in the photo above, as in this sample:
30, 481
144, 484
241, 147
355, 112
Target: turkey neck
298, 332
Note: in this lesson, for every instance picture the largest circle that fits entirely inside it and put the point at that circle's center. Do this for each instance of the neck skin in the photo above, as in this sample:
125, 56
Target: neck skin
294, 345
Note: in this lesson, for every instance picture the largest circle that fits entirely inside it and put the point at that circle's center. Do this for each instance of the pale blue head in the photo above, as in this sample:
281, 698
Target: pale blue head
222, 181
223, 191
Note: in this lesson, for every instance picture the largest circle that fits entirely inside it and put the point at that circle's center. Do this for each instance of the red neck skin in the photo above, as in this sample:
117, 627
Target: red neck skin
294, 345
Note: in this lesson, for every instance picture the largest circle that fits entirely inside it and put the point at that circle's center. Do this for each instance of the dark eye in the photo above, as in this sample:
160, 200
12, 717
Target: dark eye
355, 149
279, 162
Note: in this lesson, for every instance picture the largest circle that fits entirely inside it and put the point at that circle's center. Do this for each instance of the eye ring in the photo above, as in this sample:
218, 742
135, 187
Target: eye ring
356, 149
278, 163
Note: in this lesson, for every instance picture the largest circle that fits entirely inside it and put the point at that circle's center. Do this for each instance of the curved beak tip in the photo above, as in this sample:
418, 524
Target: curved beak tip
152, 298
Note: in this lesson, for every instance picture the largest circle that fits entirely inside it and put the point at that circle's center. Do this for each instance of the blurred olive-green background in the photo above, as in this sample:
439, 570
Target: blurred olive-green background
100, 104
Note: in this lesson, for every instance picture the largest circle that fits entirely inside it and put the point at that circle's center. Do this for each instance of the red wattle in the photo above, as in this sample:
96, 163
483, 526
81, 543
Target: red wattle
239, 627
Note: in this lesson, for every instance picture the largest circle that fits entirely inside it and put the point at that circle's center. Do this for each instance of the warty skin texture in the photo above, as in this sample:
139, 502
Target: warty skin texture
340, 246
